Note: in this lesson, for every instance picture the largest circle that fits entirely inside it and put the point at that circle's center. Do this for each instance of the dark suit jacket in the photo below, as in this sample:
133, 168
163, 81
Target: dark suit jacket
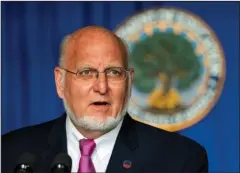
149, 149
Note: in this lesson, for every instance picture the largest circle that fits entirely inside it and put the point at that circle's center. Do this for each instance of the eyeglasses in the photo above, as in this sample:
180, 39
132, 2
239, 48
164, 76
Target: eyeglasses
90, 75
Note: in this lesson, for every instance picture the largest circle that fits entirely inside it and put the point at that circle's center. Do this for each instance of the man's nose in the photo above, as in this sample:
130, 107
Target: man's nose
101, 84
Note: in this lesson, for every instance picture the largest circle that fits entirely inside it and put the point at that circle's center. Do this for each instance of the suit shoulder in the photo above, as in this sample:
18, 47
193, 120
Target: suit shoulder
174, 149
27, 133
172, 139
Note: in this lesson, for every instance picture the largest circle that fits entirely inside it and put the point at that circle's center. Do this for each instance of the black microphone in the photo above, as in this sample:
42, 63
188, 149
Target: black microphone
62, 164
26, 163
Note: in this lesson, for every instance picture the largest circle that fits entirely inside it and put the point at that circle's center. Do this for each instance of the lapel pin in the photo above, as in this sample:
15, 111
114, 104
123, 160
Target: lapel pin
127, 164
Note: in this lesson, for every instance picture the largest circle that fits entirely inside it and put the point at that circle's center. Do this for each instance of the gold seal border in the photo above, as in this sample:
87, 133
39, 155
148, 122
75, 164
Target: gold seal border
220, 85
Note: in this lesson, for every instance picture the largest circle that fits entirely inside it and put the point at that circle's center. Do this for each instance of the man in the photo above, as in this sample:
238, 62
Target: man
94, 81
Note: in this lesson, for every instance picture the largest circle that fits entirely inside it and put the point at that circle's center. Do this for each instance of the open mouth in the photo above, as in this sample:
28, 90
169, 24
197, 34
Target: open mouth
101, 103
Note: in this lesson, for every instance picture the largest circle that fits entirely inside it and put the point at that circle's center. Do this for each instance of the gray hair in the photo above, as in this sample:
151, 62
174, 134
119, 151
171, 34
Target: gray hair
63, 47
125, 48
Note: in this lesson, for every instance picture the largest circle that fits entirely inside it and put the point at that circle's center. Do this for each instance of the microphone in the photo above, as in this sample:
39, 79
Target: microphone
26, 163
62, 164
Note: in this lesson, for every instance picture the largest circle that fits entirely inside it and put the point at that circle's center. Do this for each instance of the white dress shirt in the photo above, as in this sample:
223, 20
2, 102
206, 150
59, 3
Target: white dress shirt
102, 153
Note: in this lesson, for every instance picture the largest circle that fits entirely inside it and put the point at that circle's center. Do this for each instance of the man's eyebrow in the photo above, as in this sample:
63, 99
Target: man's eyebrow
108, 67
113, 66
85, 66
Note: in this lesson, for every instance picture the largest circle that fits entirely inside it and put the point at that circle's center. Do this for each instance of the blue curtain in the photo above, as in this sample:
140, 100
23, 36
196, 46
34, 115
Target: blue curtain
31, 34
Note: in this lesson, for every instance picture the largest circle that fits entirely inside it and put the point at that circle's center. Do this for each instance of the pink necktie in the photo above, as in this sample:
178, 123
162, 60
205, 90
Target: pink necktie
85, 164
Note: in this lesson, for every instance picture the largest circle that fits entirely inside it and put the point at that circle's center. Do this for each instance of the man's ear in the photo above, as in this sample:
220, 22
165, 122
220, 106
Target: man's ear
59, 77
131, 79
131, 74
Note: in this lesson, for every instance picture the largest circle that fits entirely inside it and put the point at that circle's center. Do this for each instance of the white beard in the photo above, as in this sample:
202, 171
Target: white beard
93, 123
97, 124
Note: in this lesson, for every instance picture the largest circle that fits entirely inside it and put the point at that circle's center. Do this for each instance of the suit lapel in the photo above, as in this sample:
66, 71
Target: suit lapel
57, 143
123, 156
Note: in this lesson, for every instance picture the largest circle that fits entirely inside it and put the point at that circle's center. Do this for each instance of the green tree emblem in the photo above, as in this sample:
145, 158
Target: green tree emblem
165, 56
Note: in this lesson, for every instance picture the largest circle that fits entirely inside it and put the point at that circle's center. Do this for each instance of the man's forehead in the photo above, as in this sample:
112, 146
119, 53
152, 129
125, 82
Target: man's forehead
97, 63
96, 60
88, 42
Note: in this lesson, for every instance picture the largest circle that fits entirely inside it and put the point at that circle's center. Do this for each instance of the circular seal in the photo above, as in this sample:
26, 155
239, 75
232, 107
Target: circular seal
179, 67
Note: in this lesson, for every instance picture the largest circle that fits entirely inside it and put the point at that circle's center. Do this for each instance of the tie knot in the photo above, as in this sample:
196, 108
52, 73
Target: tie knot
87, 146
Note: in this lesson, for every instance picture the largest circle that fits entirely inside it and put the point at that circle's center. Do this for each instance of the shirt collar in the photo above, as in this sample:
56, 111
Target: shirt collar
104, 144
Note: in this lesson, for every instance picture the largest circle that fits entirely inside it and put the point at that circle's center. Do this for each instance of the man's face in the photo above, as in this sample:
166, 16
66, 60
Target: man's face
89, 99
